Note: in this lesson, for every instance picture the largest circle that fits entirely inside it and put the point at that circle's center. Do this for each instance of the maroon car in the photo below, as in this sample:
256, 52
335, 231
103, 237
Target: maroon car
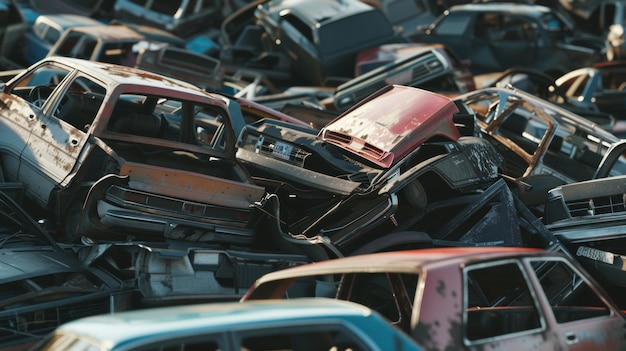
481, 298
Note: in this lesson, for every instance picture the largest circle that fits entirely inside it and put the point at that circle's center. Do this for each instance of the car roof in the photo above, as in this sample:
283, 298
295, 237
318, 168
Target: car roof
181, 320
109, 32
121, 75
67, 20
318, 11
403, 261
533, 10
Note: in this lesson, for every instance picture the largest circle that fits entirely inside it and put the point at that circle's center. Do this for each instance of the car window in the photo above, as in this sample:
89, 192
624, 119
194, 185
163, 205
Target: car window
488, 26
206, 342
453, 24
570, 296
36, 86
169, 119
77, 45
52, 35
327, 336
387, 293
498, 301
516, 29
80, 103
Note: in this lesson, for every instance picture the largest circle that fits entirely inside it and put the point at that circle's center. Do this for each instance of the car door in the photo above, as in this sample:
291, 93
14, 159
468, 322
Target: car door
501, 309
59, 138
577, 313
25, 97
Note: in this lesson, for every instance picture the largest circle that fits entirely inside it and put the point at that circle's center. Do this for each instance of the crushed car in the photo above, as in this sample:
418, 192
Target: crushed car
588, 217
69, 122
111, 43
45, 32
469, 298
543, 145
303, 42
373, 169
44, 284
497, 36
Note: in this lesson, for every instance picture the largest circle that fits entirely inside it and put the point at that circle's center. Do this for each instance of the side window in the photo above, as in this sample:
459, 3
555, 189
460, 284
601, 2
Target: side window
209, 127
315, 337
570, 296
515, 29
453, 25
80, 103
169, 119
498, 302
488, 26
135, 115
386, 293
204, 343
37, 86
68, 44
52, 35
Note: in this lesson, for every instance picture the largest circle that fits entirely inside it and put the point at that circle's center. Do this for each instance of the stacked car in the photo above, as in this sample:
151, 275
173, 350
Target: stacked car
198, 151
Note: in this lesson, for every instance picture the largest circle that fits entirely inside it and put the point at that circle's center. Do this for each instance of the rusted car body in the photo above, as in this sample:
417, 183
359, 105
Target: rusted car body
543, 145
375, 166
480, 298
168, 144
44, 285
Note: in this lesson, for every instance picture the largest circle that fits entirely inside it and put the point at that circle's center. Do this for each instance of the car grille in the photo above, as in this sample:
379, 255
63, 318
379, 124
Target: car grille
431, 65
597, 206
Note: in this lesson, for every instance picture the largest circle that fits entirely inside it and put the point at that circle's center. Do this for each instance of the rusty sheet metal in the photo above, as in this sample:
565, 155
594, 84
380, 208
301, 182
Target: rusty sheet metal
395, 121
191, 186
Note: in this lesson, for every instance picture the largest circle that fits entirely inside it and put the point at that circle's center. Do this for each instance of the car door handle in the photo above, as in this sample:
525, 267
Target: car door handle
571, 338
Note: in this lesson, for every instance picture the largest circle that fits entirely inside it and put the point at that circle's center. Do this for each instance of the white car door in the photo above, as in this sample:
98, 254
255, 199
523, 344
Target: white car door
56, 142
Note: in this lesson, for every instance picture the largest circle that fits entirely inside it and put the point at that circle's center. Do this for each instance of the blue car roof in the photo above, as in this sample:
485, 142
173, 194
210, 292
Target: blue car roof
123, 327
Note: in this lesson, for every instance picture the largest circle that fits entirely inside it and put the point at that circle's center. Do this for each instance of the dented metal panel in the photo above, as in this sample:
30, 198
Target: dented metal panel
192, 186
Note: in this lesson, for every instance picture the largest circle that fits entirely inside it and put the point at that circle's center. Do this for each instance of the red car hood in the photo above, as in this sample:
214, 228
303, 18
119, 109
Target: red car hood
391, 123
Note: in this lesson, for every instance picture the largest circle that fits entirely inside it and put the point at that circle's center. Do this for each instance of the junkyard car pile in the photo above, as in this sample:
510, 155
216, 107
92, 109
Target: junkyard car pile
146, 163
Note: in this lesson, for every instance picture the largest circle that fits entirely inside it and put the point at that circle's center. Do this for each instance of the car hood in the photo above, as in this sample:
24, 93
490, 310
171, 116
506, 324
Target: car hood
392, 122
25, 262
